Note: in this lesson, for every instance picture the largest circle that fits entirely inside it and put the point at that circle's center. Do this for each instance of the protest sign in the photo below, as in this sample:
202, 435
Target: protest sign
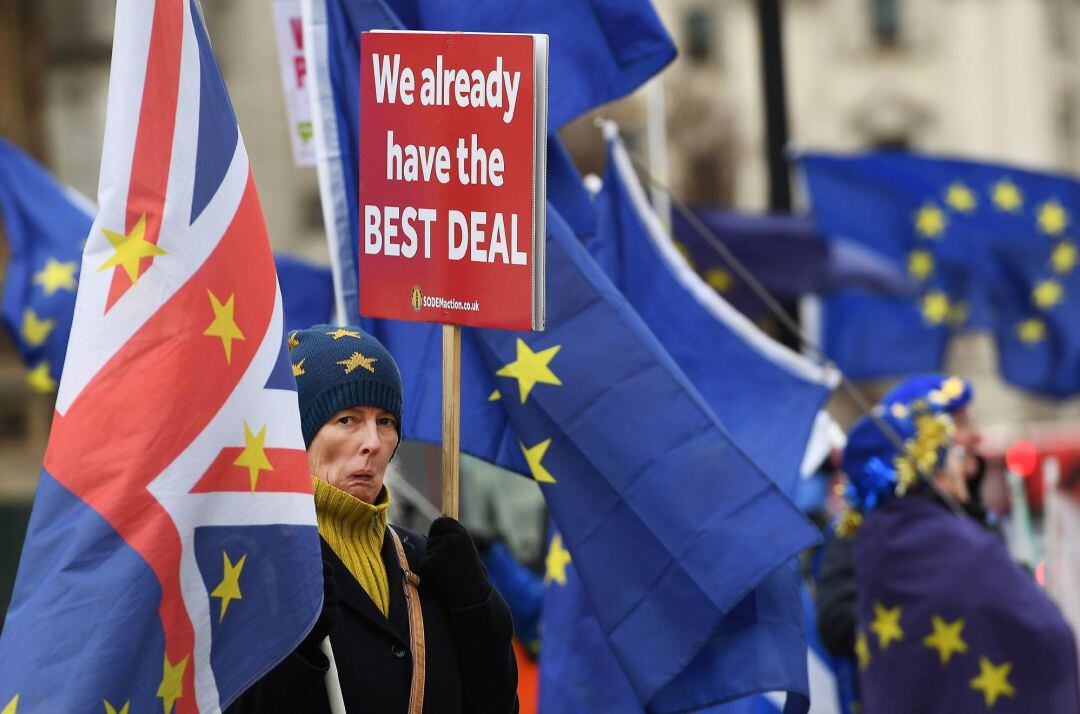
453, 132
288, 27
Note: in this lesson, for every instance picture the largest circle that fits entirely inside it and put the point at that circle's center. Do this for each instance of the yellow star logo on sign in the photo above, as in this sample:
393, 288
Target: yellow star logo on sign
172, 682
12, 706
129, 249
935, 307
534, 456
531, 368
253, 457
110, 709
35, 330
223, 326
946, 638
556, 561
862, 650
719, 279
356, 360
993, 681
1053, 218
920, 264
1006, 196
1063, 257
298, 368
40, 380
341, 332
886, 625
930, 221
56, 276
229, 587
1047, 293
1031, 330
960, 198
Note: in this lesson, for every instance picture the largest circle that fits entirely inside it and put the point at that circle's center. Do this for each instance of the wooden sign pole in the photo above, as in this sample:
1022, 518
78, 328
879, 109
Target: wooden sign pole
451, 418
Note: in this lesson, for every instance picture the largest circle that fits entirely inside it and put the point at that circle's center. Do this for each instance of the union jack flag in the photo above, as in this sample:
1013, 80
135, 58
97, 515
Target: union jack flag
172, 556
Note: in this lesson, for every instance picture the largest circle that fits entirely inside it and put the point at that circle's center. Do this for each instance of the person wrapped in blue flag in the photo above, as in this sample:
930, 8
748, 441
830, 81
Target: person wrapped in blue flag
946, 620
414, 622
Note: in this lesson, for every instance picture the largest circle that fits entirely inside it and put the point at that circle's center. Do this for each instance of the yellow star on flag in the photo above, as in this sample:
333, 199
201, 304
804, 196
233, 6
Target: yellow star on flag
110, 709
56, 275
1063, 257
172, 682
1006, 196
935, 307
224, 326
356, 360
946, 638
993, 681
930, 221
129, 249
886, 625
685, 253
293, 342
1031, 330
719, 279
12, 706
556, 561
229, 587
1053, 218
341, 332
40, 379
920, 264
534, 456
298, 368
960, 198
495, 396
862, 650
531, 368
899, 410
953, 387
35, 330
253, 457
1047, 293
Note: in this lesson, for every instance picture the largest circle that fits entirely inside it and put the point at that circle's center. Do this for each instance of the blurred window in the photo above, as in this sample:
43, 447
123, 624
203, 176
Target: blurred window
886, 22
698, 35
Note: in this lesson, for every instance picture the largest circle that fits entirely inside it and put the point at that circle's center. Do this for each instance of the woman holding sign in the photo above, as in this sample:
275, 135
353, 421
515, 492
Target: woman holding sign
414, 623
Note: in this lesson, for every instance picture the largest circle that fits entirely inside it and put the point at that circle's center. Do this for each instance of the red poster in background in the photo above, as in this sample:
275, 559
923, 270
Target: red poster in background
452, 141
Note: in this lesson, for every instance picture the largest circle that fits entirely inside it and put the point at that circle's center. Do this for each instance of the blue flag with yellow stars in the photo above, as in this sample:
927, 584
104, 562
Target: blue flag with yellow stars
767, 397
947, 622
991, 246
648, 489
46, 225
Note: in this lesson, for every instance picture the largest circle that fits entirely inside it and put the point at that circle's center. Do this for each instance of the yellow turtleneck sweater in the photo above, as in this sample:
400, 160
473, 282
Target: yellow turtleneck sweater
355, 531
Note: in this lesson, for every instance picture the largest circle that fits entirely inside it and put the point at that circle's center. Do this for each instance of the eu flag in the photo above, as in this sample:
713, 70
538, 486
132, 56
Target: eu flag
648, 489
768, 398
991, 246
948, 622
46, 225
307, 292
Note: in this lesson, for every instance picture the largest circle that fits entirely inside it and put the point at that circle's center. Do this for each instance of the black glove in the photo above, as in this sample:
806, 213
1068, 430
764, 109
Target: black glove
323, 626
453, 566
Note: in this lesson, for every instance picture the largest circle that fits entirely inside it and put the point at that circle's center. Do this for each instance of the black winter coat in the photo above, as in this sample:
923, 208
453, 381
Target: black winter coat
470, 665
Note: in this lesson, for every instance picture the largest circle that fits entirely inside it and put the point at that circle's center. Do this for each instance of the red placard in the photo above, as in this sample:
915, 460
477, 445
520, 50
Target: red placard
452, 141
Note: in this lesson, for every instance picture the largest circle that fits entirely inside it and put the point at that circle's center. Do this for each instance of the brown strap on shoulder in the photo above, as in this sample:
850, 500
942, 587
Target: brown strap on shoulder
416, 628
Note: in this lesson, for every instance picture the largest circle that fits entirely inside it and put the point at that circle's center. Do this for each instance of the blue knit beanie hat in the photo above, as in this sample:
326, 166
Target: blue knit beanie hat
341, 367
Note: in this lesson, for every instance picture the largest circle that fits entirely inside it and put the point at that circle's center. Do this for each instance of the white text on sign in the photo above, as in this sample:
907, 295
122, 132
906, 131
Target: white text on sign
439, 86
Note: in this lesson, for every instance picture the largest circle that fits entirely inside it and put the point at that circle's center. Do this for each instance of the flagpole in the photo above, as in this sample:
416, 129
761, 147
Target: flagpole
333, 684
770, 30
451, 422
